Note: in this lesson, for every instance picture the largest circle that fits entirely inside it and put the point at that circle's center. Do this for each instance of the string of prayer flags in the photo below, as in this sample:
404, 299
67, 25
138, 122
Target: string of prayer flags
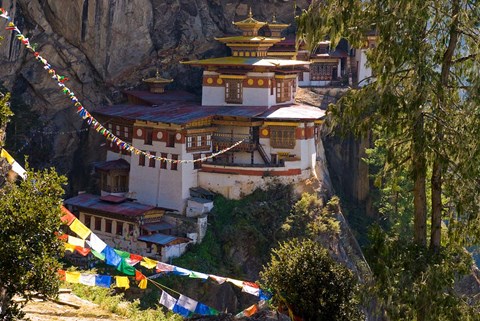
75, 241
72, 248
248, 312
16, 167
104, 281
185, 306
84, 113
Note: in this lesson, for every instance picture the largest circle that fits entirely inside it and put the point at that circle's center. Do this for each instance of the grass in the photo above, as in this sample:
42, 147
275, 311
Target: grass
115, 303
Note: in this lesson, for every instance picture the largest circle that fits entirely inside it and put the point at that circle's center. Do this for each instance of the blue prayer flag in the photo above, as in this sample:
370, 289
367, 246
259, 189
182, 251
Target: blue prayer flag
103, 280
111, 257
181, 310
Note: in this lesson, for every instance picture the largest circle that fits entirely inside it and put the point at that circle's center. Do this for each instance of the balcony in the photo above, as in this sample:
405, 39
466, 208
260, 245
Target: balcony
225, 140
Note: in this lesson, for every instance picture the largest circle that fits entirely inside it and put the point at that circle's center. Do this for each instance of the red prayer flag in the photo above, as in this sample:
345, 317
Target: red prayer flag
68, 218
83, 251
139, 276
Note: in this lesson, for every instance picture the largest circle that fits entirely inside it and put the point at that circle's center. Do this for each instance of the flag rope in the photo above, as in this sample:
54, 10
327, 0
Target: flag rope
84, 113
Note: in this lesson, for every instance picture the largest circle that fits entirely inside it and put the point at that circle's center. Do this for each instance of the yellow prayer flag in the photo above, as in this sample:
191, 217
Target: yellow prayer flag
72, 277
148, 263
79, 228
6, 155
143, 284
70, 247
235, 282
122, 282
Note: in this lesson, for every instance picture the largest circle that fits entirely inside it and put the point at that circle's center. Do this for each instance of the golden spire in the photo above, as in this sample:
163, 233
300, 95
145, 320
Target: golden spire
250, 14
274, 19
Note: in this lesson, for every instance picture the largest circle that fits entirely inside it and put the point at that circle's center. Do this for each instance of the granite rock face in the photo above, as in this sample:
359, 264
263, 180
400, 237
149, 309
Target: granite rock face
104, 46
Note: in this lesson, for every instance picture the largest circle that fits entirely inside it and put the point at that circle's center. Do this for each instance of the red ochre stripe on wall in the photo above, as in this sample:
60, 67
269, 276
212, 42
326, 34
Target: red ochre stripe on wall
250, 172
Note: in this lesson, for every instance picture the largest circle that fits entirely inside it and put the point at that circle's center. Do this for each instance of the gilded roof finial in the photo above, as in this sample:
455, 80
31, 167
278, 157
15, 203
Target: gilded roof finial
274, 19
157, 74
250, 14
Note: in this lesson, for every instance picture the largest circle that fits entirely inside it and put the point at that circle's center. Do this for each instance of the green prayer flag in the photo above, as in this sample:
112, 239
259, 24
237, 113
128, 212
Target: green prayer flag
122, 254
125, 268
98, 255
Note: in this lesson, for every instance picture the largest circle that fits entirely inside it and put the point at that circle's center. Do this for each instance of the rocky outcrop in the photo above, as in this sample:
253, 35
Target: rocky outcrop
104, 46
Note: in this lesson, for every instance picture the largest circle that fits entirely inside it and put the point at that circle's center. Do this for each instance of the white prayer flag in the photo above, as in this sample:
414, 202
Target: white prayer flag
96, 243
87, 279
187, 303
167, 300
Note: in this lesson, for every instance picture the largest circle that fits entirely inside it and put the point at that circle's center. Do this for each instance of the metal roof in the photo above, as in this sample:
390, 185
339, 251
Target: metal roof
112, 165
177, 112
162, 239
93, 202
159, 226
293, 112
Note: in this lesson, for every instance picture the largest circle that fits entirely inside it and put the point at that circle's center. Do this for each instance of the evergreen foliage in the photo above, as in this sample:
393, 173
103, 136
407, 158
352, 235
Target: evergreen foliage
302, 275
422, 108
29, 217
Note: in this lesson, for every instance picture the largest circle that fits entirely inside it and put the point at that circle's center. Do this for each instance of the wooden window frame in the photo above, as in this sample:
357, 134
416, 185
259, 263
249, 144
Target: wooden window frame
233, 91
88, 220
163, 163
174, 165
108, 226
151, 161
97, 223
197, 165
282, 137
284, 90
171, 139
148, 138
119, 228
141, 159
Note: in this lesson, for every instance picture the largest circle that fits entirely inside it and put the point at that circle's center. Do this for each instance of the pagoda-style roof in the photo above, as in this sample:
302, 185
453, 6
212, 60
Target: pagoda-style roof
248, 39
249, 26
245, 61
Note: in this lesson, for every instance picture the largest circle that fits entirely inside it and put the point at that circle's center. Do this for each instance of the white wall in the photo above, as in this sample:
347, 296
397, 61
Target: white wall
363, 71
237, 186
213, 96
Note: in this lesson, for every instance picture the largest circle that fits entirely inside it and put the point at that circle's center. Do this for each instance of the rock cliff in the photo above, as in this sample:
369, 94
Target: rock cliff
104, 46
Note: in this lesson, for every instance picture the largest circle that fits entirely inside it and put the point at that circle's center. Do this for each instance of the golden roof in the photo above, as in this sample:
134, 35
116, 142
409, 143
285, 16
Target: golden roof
157, 79
249, 22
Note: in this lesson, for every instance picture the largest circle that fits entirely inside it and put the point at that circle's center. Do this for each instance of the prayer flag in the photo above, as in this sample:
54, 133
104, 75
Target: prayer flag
181, 271
198, 275
139, 276
87, 279
15, 166
134, 259
218, 279
178, 309
187, 303
143, 284
111, 258
122, 254
99, 256
68, 217
251, 288
96, 243
75, 241
251, 310
70, 247
125, 268
236, 282
122, 282
103, 280
80, 229
164, 267
72, 277
203, 309
83, 251
167, 300
148, 263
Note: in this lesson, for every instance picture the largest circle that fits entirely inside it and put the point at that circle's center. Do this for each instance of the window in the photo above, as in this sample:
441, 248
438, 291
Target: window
163, 163
130, 229
108, 226
98, 223
119, 228
197, 165
88, 220
174, 165
199, 142
321, 71
126, 132
148, 136
151, 161
141, 159
284, 91
282, 137
233, 91
170, 139
117, 127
